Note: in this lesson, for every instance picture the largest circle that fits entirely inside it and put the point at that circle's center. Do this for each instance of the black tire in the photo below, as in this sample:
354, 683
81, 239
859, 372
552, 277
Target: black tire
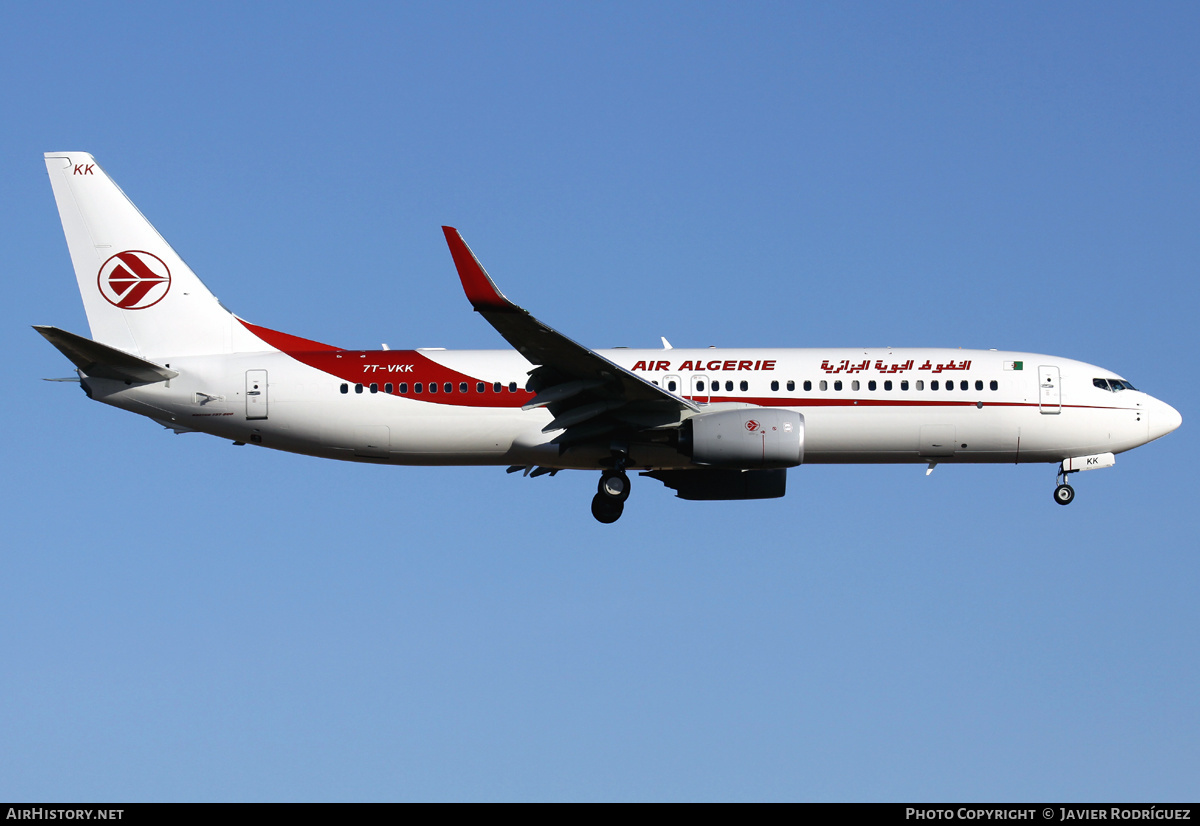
1064, 494
614, 485
606, 510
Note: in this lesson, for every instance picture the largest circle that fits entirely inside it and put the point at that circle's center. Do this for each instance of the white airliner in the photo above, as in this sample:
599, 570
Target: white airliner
709, 423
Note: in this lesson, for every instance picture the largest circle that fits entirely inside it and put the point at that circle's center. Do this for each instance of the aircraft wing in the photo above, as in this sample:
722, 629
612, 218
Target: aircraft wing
578, 384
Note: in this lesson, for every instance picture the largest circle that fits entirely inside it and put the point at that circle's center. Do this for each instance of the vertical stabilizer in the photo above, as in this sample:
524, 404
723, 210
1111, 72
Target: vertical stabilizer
139, 295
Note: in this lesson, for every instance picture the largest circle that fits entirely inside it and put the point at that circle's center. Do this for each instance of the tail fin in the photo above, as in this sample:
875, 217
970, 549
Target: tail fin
139, 295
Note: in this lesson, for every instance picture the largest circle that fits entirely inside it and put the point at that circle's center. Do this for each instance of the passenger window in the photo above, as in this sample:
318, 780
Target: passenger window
904, 384
995, 385
728, 387
950, 385
448, 387
418, 387
837, 385
887, 385
963, 385
480, 387
871, 385
345, 388
671, 385
775, 386
462, 387
921, 384
933, 385
978, 384
512, 387
374, 387
358, 388
824, 384
699, 385
387, 388
433, 387
792, 385
854, 385
496, 387
403, 387
745, 385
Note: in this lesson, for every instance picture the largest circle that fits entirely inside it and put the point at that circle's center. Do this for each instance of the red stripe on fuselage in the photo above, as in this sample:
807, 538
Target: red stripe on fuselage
861, 402
292, 345
380, 367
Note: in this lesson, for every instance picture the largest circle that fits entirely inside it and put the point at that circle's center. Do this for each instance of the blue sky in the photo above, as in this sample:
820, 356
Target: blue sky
185, 620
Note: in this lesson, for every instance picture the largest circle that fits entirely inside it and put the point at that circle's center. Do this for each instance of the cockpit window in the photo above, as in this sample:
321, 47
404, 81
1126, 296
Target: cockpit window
1115, 385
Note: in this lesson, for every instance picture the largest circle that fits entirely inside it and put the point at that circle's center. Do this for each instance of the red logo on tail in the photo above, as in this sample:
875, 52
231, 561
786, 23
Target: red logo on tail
134, 280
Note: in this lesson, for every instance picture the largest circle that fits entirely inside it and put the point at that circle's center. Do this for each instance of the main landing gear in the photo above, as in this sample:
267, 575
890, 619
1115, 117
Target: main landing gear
1064, 494
609, 502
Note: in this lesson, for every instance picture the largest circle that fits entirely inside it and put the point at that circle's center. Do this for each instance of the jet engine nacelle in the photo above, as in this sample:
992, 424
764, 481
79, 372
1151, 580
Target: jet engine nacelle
750, 437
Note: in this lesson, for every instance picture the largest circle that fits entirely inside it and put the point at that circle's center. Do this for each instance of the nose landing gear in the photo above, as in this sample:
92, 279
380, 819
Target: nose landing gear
1064, 494
609, 502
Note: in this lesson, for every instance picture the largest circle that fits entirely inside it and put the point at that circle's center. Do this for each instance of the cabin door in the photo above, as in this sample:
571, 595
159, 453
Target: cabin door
256, 394
1049, 389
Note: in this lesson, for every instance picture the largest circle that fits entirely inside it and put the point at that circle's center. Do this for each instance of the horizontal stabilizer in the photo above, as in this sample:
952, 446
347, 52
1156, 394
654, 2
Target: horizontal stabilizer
104, 362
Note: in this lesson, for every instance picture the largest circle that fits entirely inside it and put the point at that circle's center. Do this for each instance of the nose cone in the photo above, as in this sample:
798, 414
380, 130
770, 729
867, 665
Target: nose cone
1163, 419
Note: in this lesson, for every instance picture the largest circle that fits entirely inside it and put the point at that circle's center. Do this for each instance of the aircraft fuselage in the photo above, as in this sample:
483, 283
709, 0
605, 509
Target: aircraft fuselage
448, 407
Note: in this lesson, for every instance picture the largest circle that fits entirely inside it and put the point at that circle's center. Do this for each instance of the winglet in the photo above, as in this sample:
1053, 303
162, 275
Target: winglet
477, 284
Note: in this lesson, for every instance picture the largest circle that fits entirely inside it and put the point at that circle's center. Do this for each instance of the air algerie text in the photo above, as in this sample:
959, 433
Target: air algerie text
827, 366
712, 366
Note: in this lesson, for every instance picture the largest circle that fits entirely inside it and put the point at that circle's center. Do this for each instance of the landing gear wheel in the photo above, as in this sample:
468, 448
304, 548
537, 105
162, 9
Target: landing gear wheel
614, 485
1064, 494
606, 509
